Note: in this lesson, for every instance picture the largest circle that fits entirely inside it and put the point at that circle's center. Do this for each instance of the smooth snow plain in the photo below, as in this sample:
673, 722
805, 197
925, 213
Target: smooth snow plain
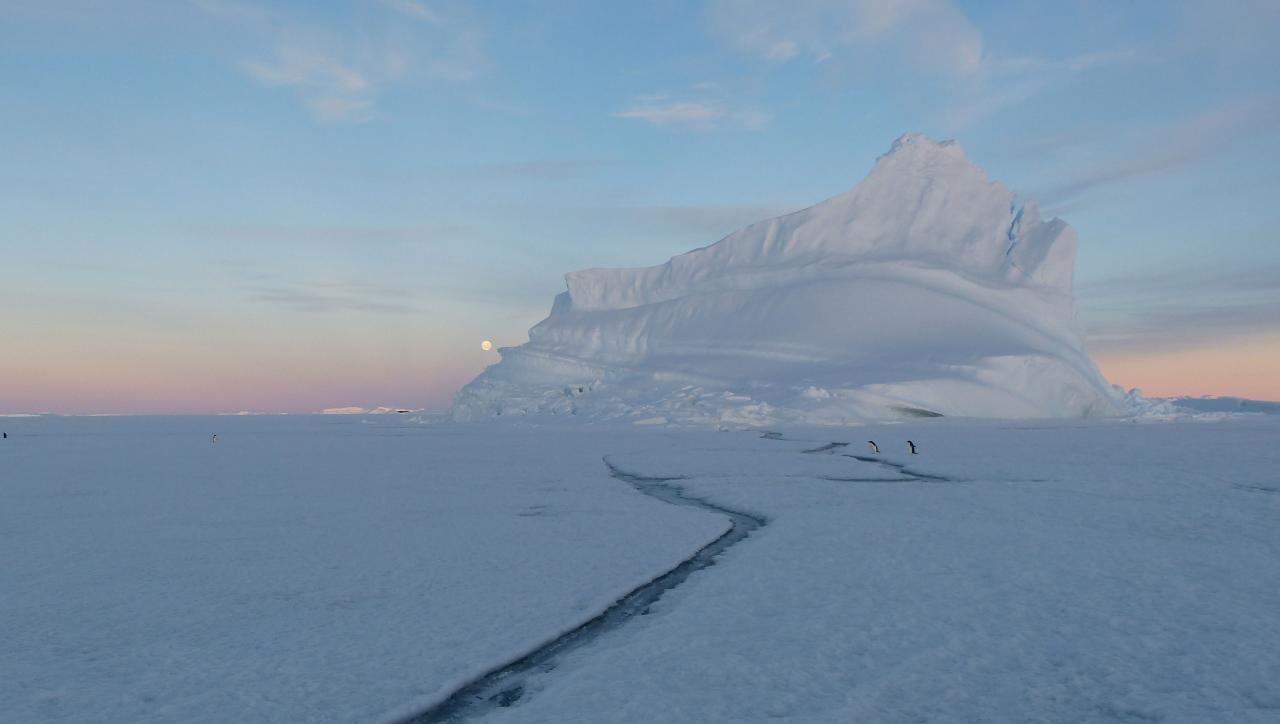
360, 569
299, 569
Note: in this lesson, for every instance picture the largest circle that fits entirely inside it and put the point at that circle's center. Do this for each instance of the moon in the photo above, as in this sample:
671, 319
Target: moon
486, 345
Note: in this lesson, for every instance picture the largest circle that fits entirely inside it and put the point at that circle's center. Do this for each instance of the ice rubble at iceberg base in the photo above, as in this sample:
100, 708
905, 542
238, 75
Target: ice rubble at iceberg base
925, 290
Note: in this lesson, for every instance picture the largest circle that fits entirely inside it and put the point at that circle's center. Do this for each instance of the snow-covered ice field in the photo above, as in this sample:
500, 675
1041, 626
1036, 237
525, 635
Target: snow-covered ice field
361, 569
300, 569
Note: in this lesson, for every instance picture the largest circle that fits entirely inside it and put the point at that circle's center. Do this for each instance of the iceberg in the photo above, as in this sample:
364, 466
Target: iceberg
925, 290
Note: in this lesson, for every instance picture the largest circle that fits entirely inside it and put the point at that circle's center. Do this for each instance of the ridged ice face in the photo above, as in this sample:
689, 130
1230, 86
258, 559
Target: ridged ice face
923, 202
923, 287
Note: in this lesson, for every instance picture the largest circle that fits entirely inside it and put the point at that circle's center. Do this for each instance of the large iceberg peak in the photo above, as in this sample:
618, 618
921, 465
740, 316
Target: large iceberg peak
924, 287
934, 168
940, 207
916, 145
924, 203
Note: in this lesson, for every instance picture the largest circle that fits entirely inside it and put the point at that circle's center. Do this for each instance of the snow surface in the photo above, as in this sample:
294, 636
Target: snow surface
298, 569
1046, 572
923, 290
358, 569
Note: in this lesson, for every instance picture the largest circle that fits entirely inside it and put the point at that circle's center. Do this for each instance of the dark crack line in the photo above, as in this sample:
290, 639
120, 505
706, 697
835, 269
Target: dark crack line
829, 447
901, 468
506, 684
1256, 488
834, 479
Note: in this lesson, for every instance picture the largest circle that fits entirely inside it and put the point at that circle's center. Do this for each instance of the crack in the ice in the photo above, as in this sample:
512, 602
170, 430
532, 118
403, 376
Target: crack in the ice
826, 448
901, 468
506, 684
865, 480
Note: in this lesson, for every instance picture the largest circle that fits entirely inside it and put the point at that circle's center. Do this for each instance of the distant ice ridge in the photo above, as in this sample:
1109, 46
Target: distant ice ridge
925, 290
1210, 407
368, 410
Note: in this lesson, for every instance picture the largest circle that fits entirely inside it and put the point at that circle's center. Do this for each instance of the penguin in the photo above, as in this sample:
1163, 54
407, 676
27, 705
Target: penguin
874, 447
912, 445
215, 437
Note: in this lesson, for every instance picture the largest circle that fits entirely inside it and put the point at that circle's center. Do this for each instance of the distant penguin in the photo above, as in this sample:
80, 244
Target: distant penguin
6, 436
215, 437
912, 445
874, 447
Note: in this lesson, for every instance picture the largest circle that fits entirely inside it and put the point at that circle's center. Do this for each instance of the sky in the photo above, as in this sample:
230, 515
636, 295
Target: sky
222, 205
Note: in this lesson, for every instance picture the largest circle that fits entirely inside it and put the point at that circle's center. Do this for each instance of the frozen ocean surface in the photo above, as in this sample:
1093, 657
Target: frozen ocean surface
300, 569
361, 569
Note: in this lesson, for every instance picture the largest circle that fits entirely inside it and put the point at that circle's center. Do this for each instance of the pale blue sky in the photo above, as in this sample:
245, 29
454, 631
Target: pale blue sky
219, 205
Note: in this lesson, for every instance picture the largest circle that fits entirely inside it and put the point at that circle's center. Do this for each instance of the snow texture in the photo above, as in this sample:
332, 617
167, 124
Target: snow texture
361, 569
1042, 571
299, 569
924, 290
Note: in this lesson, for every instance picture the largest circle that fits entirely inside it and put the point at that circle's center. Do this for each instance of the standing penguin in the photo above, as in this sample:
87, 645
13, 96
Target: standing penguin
215, 437
874, 447
912, 445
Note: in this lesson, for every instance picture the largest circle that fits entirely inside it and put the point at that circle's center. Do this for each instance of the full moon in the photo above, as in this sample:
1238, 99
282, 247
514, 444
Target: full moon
486, 345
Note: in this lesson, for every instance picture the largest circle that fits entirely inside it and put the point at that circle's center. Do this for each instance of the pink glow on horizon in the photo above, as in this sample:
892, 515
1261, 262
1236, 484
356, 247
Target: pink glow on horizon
1246, 368
155, 379
184, 386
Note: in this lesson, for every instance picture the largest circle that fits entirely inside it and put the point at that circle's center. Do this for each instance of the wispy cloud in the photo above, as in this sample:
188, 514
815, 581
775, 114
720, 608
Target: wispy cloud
677, 112
327, 295
1177, 145
296, 65
414, 9
1180, 309
320, 234
337, 108
233, 10
705, 220
1003, 82
546, 168
338, 75
932, 34
697, 115
1249, 24
899, 43
1179, 283
309, 300
1182, 326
